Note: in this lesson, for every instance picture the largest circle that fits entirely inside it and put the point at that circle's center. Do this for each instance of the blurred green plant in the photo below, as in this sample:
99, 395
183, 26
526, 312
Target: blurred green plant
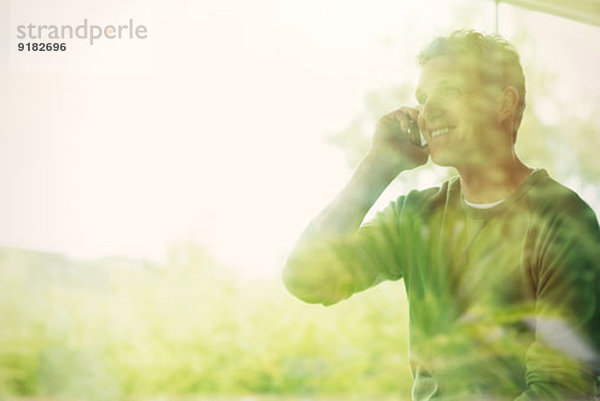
118, 328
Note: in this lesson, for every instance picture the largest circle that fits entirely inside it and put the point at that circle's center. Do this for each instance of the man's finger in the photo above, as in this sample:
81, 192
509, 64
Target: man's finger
402, 116
413, 113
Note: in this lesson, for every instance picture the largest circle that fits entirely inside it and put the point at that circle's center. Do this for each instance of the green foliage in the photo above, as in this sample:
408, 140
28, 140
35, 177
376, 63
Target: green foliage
117, 329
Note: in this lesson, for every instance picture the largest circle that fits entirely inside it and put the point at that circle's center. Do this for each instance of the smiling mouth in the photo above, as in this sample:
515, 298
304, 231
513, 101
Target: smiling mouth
440, 131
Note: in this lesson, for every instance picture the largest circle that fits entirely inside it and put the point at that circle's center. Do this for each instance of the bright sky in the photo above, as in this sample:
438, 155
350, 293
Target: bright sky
222, 140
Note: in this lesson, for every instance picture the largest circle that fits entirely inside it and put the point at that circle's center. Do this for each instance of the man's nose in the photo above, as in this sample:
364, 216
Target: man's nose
432, 109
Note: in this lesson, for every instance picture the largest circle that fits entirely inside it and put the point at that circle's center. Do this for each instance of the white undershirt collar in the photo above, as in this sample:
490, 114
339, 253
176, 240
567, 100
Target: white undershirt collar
484, 205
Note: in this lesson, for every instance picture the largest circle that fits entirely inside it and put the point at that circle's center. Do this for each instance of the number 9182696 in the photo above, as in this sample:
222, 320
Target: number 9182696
42, 47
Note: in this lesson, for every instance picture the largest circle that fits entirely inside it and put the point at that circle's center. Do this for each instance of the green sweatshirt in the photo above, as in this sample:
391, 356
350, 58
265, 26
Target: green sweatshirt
504, 303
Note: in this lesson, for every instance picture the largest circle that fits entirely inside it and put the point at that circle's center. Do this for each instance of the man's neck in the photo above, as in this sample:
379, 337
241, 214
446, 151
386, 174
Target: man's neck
494, 181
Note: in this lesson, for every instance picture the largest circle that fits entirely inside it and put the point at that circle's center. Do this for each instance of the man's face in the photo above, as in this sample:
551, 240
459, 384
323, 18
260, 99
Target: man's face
458, 114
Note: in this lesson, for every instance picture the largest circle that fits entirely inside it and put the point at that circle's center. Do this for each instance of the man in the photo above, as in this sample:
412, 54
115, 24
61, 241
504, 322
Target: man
501, 264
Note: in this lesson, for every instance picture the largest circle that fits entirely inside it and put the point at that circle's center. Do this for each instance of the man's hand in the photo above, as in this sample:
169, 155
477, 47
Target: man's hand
391, 153
391, 142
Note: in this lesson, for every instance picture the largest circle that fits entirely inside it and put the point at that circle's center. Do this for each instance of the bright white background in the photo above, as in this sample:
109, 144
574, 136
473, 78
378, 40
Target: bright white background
219, 137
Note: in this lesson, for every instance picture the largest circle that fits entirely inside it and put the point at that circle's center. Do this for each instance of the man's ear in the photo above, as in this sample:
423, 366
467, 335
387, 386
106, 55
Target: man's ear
508, 104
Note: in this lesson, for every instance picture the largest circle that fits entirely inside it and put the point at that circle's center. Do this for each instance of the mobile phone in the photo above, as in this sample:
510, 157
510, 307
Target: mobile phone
415, 134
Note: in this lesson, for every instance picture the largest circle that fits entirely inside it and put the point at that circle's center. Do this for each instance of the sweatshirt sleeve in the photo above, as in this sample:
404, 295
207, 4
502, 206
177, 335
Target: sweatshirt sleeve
563, 361
327, 269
